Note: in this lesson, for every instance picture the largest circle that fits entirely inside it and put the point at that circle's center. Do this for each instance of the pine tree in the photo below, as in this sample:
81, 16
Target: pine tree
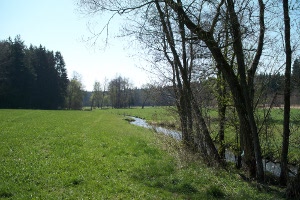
62, 78
4, 73
18, 75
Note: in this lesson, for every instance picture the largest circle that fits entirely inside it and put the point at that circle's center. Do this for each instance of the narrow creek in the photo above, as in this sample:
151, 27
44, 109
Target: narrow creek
143, 123
269, 166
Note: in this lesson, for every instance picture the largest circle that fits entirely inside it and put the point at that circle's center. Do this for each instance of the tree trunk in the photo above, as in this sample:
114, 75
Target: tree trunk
238, 49
180, 78
287, 94
222, 113
207, 140
246, 142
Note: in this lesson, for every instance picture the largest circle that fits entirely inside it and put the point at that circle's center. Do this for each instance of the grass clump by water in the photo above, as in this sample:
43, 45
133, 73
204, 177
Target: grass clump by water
98, 155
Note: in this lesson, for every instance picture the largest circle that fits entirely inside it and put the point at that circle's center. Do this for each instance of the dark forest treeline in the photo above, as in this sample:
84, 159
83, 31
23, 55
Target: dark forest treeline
271, 86
31, 77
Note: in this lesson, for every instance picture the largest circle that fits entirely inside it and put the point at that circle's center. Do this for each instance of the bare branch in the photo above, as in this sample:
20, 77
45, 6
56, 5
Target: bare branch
260, 40
215, 20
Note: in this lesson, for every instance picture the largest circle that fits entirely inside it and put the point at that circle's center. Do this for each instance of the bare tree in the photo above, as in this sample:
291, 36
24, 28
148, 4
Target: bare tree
120, 92
104, 92
147, 91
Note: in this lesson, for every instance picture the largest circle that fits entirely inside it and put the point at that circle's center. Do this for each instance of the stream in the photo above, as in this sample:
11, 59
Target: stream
269, 166
143, 123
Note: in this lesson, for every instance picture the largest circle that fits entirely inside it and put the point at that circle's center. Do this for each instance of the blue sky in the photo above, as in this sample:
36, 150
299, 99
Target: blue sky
59, 26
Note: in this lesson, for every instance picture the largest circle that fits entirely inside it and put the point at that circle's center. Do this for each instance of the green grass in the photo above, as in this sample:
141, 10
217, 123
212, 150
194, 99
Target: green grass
271, 137
270, 142
149, 113
99, 155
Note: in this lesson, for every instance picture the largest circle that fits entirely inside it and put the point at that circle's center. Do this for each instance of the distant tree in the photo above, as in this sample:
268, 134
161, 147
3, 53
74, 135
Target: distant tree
120, 92
18, 75
97, 95
104, 99
75, 93
63, 81
295, 81
147, 90
46, 91
4, 73
269, 83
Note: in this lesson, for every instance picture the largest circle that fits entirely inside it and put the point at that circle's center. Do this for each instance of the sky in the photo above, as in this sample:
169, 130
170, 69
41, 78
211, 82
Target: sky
59, 26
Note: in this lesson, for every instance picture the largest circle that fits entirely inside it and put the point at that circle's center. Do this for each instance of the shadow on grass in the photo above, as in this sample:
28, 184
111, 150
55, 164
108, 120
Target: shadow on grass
271, 185
178, 186
5, 194
163, 181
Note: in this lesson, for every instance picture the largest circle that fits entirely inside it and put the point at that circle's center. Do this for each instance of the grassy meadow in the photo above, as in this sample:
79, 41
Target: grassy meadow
99, 155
